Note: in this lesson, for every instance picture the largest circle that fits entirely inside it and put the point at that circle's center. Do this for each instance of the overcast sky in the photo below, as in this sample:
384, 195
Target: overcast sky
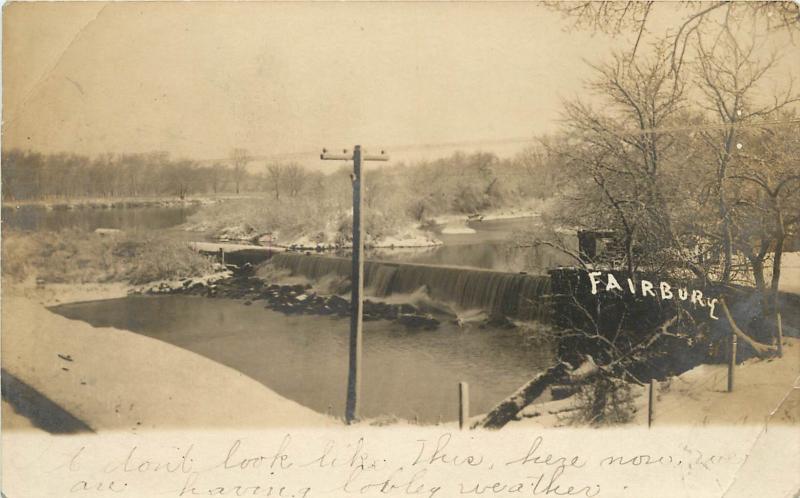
197, 79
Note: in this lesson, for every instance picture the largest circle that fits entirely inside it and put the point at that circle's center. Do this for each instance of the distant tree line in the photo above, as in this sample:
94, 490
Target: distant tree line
460, 183
28, 175
300, 203
472, 183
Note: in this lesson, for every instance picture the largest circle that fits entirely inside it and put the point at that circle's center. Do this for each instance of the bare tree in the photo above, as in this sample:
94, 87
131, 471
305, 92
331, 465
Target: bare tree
618, 153
180, 178
729, 77
770, 207
239, 159
275, 177
618, 16
295, 178
216, 176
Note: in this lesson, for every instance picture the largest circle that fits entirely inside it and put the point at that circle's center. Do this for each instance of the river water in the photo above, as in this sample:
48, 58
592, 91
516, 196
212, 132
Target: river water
410, 374
40, 218
491, 247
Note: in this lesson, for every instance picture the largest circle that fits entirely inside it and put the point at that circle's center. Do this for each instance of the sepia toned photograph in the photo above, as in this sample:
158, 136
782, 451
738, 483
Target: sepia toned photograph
429, 222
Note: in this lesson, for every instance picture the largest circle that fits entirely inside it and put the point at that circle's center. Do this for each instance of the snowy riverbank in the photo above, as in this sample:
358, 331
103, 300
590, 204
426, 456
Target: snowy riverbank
111, 379
330, 238
111, 203
765, 391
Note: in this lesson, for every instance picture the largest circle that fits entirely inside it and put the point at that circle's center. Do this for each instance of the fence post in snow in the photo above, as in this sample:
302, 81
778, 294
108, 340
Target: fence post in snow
463, 405
731, 362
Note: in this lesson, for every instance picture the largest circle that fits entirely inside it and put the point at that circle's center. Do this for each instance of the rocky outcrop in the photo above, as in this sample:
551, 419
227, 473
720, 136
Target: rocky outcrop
294, 299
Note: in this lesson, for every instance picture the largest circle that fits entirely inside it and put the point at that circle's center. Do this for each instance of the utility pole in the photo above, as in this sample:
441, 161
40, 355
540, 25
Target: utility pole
357, 293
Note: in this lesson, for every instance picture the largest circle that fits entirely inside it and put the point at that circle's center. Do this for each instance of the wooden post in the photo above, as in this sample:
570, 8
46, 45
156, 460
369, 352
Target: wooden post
222, 256
357, 279
463, 405
357, 287
780, 335
731, 363
651, 403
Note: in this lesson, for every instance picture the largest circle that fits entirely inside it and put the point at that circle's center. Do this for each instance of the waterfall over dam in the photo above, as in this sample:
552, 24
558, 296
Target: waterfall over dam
515, 295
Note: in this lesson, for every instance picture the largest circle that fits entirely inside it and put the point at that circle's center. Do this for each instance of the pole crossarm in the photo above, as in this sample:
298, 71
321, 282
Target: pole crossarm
347, 155
375, 157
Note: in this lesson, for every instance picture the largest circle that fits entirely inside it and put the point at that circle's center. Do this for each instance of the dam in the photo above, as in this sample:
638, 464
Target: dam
515, 295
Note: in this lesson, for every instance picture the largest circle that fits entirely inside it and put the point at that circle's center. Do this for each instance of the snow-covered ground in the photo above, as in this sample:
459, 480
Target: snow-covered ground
495, 214
53, 294
106, 203
113, 379
765, 391
406, 237
790, 272
409, 236
167, 286
228, 246
508, 213
457, 229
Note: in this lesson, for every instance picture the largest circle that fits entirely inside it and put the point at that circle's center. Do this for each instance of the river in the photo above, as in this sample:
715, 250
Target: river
40, 218
410, 374
491, 247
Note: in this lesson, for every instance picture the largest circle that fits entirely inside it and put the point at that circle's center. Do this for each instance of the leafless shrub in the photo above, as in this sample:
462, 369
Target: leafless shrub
604, 401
